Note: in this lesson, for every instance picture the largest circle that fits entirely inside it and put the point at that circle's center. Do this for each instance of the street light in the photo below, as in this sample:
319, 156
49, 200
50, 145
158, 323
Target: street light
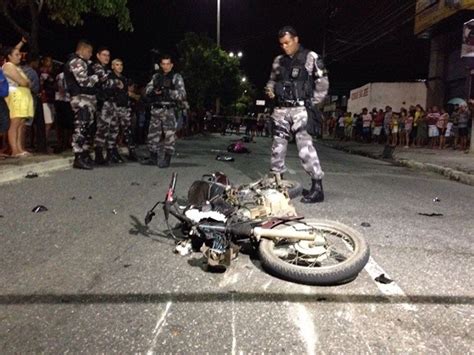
244, 79
218, 23
231, 54
240, 54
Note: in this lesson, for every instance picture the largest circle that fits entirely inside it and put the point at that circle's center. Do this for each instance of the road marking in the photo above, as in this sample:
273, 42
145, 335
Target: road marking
292, 172
391, 290
234, 339
229, 280
304, 322
158, 327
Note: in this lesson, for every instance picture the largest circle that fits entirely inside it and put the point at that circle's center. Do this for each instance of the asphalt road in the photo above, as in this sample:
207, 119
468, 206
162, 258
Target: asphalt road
83, 278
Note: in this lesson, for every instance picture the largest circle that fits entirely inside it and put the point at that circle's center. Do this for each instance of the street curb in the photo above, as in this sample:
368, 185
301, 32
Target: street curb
14, 173
451, 174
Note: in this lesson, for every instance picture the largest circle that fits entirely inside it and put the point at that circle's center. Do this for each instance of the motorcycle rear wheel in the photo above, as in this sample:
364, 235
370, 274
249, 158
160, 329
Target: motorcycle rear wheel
294, 188
347, 254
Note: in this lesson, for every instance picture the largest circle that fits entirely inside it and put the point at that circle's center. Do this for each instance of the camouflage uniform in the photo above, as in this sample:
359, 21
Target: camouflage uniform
294, 118
115, 113
162, 130
83, 101
102, 118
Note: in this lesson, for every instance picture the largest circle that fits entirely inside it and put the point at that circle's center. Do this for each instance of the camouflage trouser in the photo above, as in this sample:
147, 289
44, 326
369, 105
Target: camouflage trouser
293, 119
125, 122
83, 107
161, 134
111, 118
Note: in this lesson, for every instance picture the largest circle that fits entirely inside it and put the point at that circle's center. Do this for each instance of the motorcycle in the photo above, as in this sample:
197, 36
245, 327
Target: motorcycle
219, 218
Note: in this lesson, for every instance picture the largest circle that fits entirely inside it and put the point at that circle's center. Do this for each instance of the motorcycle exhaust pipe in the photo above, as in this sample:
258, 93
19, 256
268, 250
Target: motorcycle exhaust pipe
260, 232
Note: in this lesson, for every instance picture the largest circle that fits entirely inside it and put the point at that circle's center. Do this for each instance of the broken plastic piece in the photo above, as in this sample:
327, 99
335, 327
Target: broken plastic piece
114, 211
39, 208
436, 199
184, 248
224, 158
365, 224
383, 279
430, 214
31, 175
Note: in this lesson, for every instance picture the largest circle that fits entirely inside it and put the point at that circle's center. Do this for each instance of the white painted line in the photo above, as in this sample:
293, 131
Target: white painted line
158, 327
234, 339
303, 320
390, 290
229, 280
292, 172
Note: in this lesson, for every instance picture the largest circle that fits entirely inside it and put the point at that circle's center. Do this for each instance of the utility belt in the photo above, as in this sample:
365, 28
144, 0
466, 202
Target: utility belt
291, 103
163, 104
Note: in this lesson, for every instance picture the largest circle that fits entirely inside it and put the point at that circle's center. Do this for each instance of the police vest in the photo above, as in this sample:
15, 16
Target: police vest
164, 83
293, 81
119, 96
72, 85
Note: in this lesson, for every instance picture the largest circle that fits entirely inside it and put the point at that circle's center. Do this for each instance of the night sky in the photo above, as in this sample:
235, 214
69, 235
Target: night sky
252, 25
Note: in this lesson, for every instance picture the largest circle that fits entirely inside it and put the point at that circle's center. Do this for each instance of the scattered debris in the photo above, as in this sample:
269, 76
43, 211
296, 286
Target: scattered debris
90, 197
114, 211
31, 175
237, 147
383, 279
127, 265
155, 183
135, 183
430, 214
436, 199
365, 224
39, 208
73, 198
224, 158
2, 216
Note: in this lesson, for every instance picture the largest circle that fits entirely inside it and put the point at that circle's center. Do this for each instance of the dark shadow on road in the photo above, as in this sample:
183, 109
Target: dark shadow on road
139, 228
257, 297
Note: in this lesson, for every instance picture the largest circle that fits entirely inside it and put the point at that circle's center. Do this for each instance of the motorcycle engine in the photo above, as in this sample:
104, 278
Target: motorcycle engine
266, 203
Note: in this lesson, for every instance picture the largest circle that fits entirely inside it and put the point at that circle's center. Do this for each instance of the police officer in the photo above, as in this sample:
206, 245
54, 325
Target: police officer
117, 109
298, 79
81, 85
166, 92
101, 69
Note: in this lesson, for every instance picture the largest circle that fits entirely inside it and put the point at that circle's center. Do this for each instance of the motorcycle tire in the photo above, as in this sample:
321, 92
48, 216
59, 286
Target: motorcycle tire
343, 272
294, 188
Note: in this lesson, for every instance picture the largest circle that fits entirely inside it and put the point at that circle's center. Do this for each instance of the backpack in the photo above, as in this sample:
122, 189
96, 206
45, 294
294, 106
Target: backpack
3, 85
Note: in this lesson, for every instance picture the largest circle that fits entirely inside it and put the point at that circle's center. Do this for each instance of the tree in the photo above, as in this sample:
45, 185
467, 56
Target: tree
67, 12
210, 73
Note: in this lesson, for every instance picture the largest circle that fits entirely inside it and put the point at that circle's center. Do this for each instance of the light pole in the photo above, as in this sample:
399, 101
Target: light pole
218, 23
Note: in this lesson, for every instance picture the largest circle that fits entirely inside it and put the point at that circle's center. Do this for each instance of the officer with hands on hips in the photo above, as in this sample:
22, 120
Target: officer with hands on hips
298, 78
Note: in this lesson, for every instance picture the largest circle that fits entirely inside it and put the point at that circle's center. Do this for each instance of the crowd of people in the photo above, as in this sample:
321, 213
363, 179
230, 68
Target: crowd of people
37, 109
435, 128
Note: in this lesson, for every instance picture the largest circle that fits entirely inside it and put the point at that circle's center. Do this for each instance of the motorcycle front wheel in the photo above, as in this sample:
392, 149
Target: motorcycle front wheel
340, 260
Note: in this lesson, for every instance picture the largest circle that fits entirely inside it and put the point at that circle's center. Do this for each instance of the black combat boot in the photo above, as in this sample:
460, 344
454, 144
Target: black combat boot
316, 193
80, 163
165, 163
86, 156
117, 156
132, 154
110, 157
99, 157
151, 160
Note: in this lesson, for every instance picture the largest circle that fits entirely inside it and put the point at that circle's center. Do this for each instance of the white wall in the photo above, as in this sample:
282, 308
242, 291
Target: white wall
379, 95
